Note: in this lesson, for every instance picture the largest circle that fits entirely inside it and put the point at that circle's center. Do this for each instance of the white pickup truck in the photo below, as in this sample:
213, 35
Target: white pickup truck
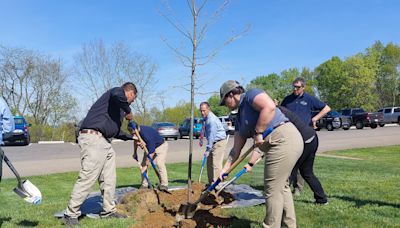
390, 115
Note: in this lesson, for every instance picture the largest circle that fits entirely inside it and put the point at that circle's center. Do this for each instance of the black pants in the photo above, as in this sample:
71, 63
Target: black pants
305, 165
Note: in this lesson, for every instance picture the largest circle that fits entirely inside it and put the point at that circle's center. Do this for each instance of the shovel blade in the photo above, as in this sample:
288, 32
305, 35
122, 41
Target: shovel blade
187, 210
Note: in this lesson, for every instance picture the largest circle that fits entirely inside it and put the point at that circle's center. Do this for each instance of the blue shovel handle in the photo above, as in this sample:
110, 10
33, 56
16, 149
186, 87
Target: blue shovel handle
147, 179
211, 187
152, 162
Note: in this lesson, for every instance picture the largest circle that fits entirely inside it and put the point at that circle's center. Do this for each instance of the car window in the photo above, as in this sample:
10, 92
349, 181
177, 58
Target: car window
18, 121
334, 113
380, 110
397, 110
346, 112
388, 110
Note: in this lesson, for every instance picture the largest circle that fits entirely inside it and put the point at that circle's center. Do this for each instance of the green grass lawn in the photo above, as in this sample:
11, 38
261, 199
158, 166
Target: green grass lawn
362, 193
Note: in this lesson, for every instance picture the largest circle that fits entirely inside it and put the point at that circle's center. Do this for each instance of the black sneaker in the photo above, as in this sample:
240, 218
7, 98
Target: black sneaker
113, 215
70, 221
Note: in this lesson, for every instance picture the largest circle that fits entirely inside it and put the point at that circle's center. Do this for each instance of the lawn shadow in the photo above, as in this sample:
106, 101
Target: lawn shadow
2, 220
26, 223
360, 202
129, 185
180, 181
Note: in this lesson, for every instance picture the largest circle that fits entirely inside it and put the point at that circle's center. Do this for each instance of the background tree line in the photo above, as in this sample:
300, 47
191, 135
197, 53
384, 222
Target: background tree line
370, 79
44, 89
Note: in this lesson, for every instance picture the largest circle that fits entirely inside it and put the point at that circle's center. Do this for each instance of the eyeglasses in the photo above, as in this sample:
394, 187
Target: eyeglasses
297, 87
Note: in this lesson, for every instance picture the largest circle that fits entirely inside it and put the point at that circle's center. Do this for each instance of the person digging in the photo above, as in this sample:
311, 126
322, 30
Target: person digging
156, 147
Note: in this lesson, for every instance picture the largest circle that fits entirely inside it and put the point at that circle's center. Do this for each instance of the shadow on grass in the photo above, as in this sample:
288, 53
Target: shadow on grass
129, 185
360, 202
180, 181
26, 223
2, 220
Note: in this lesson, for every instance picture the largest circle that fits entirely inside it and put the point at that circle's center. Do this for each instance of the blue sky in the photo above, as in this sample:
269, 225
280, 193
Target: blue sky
283, 34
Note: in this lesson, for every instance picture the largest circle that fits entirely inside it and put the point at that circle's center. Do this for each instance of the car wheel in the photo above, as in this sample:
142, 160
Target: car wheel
381, 125
329, 126
197, 137
26, 141
176, 138
373, 126
346, 128
359, 125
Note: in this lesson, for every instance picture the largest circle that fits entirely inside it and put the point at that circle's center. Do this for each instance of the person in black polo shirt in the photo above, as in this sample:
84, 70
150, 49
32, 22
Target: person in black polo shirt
157, 148
306, 160
302, 104
102, 123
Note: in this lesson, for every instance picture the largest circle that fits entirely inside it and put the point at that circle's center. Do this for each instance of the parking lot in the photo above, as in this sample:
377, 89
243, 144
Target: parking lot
38, 159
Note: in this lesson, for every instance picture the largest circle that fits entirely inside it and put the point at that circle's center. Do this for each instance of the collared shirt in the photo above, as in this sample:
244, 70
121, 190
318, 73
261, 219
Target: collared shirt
303, 105
214, 130
247, 116
151, 137
106, 114
6, 119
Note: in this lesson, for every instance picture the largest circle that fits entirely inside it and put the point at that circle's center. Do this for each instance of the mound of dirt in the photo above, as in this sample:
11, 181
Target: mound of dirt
152, 208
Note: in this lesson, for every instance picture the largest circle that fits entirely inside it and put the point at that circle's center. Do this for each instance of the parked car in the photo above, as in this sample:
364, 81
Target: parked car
332, 120
184, 129
228, 124
390, 115
21, 132
166, 130
360, 118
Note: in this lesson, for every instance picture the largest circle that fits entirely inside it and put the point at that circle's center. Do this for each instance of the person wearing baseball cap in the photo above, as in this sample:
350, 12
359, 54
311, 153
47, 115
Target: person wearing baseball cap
282, 148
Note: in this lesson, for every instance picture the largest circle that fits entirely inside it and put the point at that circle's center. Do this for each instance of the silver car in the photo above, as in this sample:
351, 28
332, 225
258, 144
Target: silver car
167, 130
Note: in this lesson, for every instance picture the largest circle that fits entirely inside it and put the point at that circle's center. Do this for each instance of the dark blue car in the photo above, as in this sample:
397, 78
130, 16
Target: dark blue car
21, 132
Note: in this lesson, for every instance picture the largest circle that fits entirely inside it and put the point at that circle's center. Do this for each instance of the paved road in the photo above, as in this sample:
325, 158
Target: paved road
38, 159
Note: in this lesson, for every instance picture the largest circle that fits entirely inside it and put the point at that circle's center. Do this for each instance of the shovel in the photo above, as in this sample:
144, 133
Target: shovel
239, 174
25, 189
202, 166
188, 210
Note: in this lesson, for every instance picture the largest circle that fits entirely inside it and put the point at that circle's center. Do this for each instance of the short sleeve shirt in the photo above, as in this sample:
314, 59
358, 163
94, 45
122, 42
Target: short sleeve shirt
303, 105
151, 137
247, 116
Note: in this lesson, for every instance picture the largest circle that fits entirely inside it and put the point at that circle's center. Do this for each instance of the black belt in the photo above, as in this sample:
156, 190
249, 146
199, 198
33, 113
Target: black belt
90, 131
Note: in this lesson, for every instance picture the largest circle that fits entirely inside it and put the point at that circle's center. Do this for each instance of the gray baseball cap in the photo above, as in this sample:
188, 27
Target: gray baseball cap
227, 87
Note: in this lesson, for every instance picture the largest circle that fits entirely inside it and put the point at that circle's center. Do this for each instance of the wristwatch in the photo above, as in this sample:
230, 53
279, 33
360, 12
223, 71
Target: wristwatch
250, 164
259, 132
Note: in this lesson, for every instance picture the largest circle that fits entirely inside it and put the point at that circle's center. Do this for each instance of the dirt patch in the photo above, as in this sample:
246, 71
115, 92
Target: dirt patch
159, 209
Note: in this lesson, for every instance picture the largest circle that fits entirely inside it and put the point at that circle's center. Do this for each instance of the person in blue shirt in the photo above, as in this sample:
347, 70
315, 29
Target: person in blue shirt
7, 124
282, 148
302, 103
157, 148
216, 142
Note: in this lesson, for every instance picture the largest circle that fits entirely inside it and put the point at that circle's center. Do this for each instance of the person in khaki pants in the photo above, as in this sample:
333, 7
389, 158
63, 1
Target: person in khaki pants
157, 148
257, 113
102, 122
216, 142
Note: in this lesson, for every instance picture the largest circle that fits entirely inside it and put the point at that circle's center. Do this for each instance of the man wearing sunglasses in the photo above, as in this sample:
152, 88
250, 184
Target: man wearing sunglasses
302, 103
